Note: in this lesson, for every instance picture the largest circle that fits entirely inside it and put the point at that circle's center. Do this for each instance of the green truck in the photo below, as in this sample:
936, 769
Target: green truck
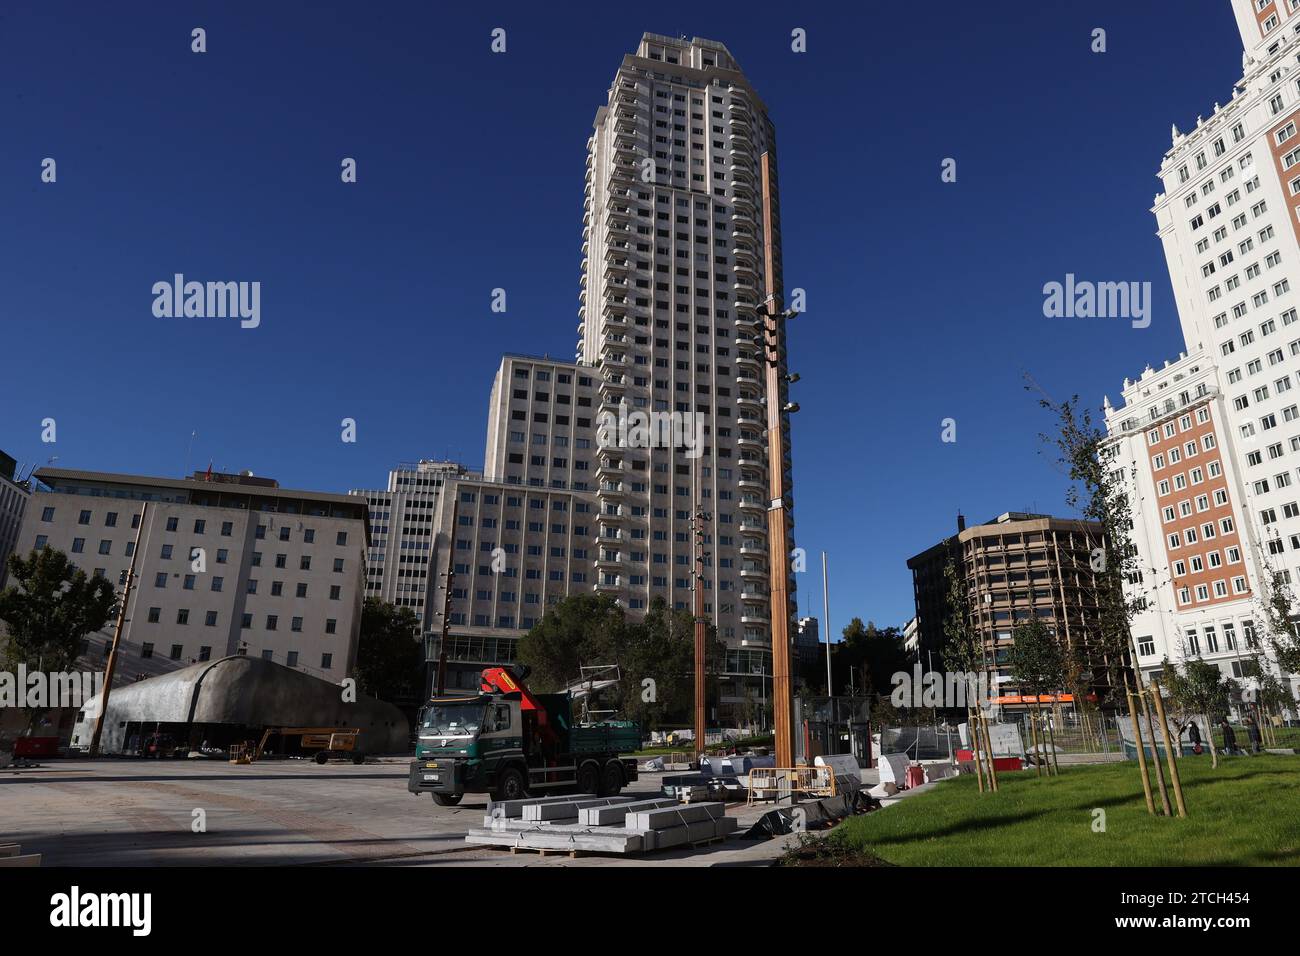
511, 743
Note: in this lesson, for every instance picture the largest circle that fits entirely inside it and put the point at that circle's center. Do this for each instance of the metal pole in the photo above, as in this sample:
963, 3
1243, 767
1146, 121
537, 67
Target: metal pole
826, 622
777, 518
117, 633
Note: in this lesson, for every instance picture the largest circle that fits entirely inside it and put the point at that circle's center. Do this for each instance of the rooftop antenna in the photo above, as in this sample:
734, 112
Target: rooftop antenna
189, 448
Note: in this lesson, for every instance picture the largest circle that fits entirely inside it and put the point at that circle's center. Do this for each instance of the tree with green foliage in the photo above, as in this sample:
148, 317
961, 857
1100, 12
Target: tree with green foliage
1200, 689
655, 656
1098, 492
656, 659
1038, 666
580, 631
1279, 610
390, 655
48, 609
868, 657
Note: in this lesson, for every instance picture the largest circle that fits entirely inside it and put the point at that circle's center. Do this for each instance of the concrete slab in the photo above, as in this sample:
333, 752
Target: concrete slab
674, 816
568, 810
510, 809
615, 815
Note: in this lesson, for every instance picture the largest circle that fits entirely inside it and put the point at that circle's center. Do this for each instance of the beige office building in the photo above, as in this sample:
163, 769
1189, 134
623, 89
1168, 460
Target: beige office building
228, 564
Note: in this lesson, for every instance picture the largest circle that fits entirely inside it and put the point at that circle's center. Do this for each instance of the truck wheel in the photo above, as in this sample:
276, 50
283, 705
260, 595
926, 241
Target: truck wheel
589, 778
447, 799
358, 758
510, 785
612, 780
322, 756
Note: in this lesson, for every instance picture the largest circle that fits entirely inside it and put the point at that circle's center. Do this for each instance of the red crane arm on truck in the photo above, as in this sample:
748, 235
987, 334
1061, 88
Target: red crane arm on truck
500, 679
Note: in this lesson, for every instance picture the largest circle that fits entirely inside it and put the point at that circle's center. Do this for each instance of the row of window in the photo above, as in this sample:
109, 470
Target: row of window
177, 653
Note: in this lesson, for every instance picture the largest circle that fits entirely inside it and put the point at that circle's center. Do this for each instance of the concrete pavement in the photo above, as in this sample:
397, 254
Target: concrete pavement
120, 812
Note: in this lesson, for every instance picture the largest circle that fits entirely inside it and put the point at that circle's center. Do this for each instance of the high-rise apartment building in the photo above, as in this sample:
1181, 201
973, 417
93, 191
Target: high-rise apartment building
227, 564
681, 251
1210, 443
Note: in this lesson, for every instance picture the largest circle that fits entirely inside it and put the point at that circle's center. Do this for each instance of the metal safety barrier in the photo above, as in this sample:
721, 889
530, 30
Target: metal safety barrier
772, 783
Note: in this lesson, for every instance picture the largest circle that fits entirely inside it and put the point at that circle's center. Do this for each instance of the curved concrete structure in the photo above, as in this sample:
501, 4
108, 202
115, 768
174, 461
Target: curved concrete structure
228, 699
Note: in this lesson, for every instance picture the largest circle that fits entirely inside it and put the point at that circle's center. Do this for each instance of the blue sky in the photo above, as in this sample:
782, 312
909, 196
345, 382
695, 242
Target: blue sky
924, 298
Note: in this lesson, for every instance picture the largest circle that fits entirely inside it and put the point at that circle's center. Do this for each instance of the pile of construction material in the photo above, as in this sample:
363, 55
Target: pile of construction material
718, 778
584, 823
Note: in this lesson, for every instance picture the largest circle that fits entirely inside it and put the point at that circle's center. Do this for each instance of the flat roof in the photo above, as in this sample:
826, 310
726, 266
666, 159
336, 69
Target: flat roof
50, 476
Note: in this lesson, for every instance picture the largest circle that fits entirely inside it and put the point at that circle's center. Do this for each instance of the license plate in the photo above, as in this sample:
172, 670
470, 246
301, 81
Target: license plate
432, 777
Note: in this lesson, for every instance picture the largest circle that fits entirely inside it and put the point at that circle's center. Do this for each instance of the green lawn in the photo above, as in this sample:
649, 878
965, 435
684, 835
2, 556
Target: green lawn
1245, 813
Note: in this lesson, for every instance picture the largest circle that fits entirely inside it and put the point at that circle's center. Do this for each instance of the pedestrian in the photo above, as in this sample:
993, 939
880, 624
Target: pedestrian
1252, 733
1194, 735
1229, 737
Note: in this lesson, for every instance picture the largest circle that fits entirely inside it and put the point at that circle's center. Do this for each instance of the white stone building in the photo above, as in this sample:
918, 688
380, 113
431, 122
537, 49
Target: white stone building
1212, 439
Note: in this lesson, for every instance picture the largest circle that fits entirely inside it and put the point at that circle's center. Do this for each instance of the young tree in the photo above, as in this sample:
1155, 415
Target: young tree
1038, 665
1278, 606
389, 652
49, 609
1078, 679
964, 652
1200, 689
1098, 492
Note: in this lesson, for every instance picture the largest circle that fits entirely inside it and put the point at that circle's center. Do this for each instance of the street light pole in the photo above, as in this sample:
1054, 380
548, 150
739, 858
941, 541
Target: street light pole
778, 526
701, 632
826, 623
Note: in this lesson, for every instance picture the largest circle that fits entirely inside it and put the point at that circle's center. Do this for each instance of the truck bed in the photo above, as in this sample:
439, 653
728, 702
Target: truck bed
613, 737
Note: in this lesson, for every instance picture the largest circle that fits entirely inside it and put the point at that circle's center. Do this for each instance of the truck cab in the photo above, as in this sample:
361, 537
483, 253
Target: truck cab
510, 743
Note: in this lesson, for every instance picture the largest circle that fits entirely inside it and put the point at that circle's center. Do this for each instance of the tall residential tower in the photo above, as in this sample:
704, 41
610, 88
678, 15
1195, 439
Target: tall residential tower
681, 259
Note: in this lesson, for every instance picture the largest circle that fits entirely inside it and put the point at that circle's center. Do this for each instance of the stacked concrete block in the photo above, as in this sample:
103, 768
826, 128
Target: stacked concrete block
586, 824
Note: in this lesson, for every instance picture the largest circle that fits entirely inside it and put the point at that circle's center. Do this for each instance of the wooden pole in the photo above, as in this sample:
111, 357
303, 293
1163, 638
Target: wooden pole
1160, 770
988, 752
1141, 748
1033, 734
976, 745
111, 669
778, 531
1169, 747
701, 636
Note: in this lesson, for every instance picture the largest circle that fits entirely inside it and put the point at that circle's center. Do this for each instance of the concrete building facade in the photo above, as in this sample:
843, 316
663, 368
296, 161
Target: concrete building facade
403, 519
13, 505
228, 565
1016, 568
